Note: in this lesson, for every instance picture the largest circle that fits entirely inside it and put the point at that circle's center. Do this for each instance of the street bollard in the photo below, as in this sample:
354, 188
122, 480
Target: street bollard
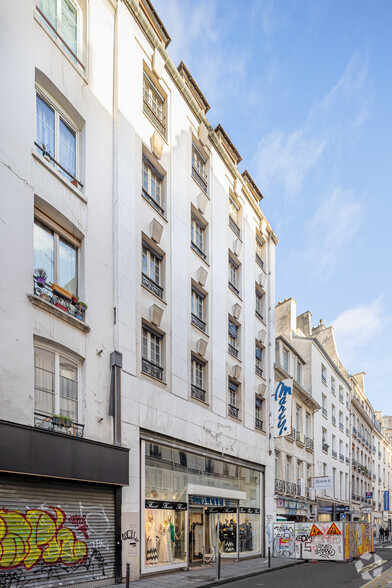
218, 566
128, 574
269, 557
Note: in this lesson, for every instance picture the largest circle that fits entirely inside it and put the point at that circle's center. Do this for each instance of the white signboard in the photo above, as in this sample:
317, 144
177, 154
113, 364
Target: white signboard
366, 510
322, 483
283, 403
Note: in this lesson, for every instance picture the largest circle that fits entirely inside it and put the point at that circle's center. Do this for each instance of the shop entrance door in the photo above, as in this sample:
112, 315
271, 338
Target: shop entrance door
196, 535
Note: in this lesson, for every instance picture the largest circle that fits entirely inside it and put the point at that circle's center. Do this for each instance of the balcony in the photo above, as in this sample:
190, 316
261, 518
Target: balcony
233, 411
200, 178
198, 393
232, 350
151, 369
153, 202
341, 456
154, 111
258, 371
152, 286
309, 443
195, 320
300, 438
341, 427
60, 298
324, 412
291, 488
334, 453
280, 485
292, 435
325, 447
234, 227
259, 261
258, 424
347, 460
58, 424
333, 421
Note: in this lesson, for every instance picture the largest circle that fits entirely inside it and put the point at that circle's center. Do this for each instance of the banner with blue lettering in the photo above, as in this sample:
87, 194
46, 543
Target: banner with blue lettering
386, 500
283, 403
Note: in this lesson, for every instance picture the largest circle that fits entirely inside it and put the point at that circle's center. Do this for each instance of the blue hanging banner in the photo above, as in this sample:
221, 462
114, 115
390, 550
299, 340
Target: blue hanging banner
386, 500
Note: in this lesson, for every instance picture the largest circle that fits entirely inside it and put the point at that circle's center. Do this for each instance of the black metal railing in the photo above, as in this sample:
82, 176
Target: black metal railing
341, 397
157, 117
200, 177
233, 225
333, 420
324, 412
292, 435
280, 485
152, 286
259, 315
233, 411
64, 303
151, 369
309, 443
347, 460
258, 424
195, 320
198, 250
74, 181
232, 287
291, 488
334, 453
259, 261
341, 427
325, 447
258, 371
198, 393
232, 350
153, 202
341, 456
58, 424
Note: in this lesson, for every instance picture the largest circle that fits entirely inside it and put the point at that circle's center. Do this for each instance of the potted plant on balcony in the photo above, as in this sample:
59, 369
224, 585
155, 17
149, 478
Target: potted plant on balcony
40, 276
45, 153
61, 421
82, 306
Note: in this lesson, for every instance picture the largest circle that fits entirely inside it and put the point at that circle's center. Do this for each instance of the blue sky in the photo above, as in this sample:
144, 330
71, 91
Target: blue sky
303, 89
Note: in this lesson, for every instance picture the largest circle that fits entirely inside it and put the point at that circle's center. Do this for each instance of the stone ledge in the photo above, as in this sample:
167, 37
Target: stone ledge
40, 303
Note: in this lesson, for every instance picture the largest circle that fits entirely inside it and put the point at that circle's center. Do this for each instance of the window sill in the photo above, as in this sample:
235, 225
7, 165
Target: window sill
150, 377
194, 249
58, 175
162, 215
155, 295
200, 330
40, 303
57, 42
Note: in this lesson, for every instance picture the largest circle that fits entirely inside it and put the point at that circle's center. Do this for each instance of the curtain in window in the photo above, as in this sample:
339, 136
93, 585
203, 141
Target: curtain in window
67, 267
233, 330
44, 250
258, 353
67, 150
45, 126
68, 388
49, 8
69, 25
43, 380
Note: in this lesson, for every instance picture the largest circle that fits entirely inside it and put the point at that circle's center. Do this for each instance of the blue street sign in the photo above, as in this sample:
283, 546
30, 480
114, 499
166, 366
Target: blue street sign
343, 516
386, 500
369, 494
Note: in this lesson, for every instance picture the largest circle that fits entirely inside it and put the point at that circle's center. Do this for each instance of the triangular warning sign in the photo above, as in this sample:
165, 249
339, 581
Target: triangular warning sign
315, 531
333, 530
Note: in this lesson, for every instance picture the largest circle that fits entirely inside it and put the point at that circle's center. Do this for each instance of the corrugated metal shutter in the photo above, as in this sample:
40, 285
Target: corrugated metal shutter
56, 533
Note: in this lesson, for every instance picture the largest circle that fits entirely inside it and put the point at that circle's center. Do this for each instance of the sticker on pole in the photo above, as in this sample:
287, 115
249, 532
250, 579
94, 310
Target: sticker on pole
315, 531
333, 530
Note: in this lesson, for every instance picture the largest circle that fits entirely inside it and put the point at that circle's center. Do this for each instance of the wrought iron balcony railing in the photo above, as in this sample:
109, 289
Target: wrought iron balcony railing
309, 443
152, 286
200, 177
58, 424
258, 371
258, 424
233, 411
151, 369
198, 393
234, 227
280, 485
232, 350
291, 488
195, 320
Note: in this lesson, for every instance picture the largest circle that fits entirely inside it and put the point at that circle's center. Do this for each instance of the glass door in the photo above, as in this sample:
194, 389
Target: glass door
211, 523
196, 535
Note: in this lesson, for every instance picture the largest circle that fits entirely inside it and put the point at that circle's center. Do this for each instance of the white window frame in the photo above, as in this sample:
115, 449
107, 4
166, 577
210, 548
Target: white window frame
199, 169
197, 304
56, 391
153, 175
286, 360
323, 374
156, 258
234, 211
152, 337
233, 341
234, 275
259, 304
79, 31
198, 236
299, 372
154, 105
59, 114
198, 375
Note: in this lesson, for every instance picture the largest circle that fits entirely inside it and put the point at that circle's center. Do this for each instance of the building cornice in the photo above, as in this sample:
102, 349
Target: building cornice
326, 355
281, 338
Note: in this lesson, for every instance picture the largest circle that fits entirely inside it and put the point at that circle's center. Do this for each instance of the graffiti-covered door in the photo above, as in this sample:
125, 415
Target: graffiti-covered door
55, 533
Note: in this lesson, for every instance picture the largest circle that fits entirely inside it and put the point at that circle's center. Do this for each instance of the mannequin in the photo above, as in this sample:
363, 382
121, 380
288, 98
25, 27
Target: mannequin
151, 542
165, 554
173, 537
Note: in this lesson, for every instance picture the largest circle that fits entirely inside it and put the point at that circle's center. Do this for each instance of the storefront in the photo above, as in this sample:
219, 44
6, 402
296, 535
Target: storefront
330, 511
293, 509
196, 503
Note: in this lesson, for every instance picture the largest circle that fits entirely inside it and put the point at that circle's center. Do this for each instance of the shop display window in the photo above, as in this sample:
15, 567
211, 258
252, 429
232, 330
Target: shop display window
249, 530
165, 537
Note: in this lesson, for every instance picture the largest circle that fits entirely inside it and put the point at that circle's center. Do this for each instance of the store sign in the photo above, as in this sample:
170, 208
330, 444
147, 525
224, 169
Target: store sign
246, 510
221, 509
209, 501
283, 403
367, 510
165, 504
325, 509
323, 483
369, 494
342, 508
386, 500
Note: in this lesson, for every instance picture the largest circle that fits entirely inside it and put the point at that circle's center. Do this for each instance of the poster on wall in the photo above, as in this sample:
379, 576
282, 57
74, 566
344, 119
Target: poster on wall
283, 403
323, 483
322, 541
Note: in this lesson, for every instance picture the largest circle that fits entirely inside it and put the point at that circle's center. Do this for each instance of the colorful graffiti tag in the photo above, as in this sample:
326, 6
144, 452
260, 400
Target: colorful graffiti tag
283, 545
37, 536
358, 539
322, 541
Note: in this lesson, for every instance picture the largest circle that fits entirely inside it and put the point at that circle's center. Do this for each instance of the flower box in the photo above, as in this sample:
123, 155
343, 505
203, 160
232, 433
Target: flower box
59, 305
62, 292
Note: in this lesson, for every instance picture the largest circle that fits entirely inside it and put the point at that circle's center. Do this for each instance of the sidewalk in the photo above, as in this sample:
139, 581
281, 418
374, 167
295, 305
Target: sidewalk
206, 576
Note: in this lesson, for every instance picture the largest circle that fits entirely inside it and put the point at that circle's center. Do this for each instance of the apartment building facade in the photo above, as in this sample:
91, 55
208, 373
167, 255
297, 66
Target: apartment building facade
140, 358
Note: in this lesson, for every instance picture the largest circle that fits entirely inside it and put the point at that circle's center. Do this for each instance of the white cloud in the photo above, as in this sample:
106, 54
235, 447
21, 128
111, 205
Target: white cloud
330, 230
358, 326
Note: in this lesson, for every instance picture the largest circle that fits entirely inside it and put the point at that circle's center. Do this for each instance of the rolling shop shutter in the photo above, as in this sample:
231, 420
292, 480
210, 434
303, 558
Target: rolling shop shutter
56, 533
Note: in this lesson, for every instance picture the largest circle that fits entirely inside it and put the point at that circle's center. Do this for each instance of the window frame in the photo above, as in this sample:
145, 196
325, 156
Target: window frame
259, 295
159, 178
151, 284
158, 121
148, 366
233, 341
235, 216
199, 391
199, 297
199, 168
54, 158
196, 224
259, 360
234, 271
234, 399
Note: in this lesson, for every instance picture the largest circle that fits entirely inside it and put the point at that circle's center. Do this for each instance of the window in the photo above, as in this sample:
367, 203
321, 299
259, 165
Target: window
288, 469
258, 413
341, 394
259, 304
299, 373
198, 236
56, 252
298, 418
323, 374
333, 413
197, 309
233, 338
286, 360
154, 104
307, 424
324, 405
259, 360
233, 408
152, 270
56, 380
234, 217
341, 425
259, 252
199, 165
233, 276
152, 189
152, 353
56, 139
198, 379
61, 17
332, 385
299, 470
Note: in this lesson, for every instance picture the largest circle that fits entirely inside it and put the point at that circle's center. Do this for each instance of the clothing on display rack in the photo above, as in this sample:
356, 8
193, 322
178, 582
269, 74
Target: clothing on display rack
151, 543
165, 544
228, 536
246, 536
